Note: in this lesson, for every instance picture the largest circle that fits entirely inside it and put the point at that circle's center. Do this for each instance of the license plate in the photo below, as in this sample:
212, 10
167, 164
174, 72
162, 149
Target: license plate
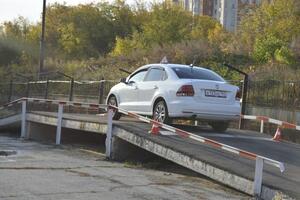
215, 93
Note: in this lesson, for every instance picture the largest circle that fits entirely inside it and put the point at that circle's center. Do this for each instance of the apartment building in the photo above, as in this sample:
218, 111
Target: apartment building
198, 7
227, 12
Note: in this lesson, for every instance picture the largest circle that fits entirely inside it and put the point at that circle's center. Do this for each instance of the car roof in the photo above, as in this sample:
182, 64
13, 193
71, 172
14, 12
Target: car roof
170, 65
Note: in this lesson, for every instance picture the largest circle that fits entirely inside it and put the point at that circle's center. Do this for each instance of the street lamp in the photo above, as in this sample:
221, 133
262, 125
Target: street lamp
42, 43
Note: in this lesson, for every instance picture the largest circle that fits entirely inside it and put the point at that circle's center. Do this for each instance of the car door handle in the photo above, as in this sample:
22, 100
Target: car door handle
155, 87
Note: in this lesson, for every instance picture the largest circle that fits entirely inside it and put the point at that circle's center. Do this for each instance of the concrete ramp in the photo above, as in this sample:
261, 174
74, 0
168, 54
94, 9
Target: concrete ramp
217, 164
14, 119
69, 121
225, 168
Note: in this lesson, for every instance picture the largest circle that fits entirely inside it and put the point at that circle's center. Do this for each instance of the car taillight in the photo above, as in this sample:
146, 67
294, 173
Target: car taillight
238, 95
185, 90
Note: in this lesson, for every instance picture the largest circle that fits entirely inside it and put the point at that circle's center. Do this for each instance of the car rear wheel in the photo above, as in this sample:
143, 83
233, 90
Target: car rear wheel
219, 126
160, 112
112, 100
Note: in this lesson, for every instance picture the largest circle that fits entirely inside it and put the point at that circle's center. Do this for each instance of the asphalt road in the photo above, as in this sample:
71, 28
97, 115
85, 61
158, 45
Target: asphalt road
43, 171
255, 142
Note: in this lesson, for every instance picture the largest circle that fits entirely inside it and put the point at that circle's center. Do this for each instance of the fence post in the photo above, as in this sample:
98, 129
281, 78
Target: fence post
23, 119
71, 89
46, 89
108, 141
244, 101
101, 90
10, 91
258, 176
27, 89
262, 126
59, 123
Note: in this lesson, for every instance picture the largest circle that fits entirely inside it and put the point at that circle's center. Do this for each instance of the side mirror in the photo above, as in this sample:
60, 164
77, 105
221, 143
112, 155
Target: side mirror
123, 80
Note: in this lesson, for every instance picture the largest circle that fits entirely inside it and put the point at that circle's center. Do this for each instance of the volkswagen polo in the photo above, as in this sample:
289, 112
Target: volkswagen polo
170, 91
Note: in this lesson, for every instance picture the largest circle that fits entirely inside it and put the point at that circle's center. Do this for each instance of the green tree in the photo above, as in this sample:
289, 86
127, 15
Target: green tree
271, 48
167, 25
15, 45
203, 25
269, 28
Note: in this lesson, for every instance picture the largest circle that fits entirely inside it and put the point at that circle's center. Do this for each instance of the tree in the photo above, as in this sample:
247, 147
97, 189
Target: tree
203, 25
167, 25
271, 27
15, 46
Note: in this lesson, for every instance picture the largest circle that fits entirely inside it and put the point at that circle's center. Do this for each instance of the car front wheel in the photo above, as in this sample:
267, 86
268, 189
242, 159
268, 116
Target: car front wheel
112, 100
219, 126
160, 112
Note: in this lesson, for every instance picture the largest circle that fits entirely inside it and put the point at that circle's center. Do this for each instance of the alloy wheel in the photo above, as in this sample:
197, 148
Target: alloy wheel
160, 112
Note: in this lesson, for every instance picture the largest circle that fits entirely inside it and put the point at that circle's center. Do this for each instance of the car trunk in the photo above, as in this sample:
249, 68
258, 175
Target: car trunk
214, 91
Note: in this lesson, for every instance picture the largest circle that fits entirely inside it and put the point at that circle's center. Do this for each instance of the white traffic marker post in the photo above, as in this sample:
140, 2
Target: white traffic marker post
196, 123
262, 126
108, 141
59, 123
23, 118
259, 164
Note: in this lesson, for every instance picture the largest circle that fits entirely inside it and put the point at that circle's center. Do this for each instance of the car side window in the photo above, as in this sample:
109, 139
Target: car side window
138, 77
156, 74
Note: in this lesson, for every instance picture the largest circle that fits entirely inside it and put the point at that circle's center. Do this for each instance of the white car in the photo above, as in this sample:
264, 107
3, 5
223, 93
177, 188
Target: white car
168, 91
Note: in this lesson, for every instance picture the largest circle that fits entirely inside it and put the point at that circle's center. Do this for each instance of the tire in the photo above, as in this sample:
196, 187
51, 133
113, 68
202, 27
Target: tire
219, 126
161, 113
112, 100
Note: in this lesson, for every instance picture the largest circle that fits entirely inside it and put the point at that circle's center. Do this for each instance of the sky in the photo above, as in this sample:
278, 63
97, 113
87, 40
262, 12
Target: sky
31, 9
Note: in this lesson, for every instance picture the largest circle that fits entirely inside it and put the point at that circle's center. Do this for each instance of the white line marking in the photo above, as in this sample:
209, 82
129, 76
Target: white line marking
236, 137
167, 133
275, 121
230, 150
249, 117
196, 138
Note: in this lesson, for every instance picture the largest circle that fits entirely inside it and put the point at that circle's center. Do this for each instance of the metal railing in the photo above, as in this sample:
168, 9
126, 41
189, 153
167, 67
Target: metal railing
274, 93
283, 95
86, 91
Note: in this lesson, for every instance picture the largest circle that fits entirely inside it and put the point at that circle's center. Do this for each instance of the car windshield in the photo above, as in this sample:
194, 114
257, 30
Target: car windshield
196, 73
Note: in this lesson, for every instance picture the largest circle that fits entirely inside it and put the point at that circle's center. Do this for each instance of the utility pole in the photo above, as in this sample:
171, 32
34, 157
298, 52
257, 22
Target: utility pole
42, 42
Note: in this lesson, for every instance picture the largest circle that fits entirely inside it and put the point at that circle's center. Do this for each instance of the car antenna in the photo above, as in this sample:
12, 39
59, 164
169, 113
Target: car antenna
192, 65
194, 61
164, 60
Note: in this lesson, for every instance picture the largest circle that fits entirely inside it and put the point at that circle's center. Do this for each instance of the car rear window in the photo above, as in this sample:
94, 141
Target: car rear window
196, 73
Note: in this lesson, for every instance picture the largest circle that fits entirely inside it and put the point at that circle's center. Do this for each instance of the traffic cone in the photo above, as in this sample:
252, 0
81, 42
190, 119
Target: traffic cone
277, 136
155, 129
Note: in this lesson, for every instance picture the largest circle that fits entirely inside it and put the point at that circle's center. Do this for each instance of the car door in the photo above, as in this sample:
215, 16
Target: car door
129, 94
149, 87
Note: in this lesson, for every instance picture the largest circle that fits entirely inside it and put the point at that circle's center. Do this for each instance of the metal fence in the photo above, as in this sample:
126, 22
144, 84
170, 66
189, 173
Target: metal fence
83, 91
275, 93
268, 93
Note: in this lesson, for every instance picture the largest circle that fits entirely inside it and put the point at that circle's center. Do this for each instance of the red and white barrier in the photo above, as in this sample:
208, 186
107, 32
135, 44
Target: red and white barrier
56, 102
201, 139
260, 160
263, 119
10, 104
